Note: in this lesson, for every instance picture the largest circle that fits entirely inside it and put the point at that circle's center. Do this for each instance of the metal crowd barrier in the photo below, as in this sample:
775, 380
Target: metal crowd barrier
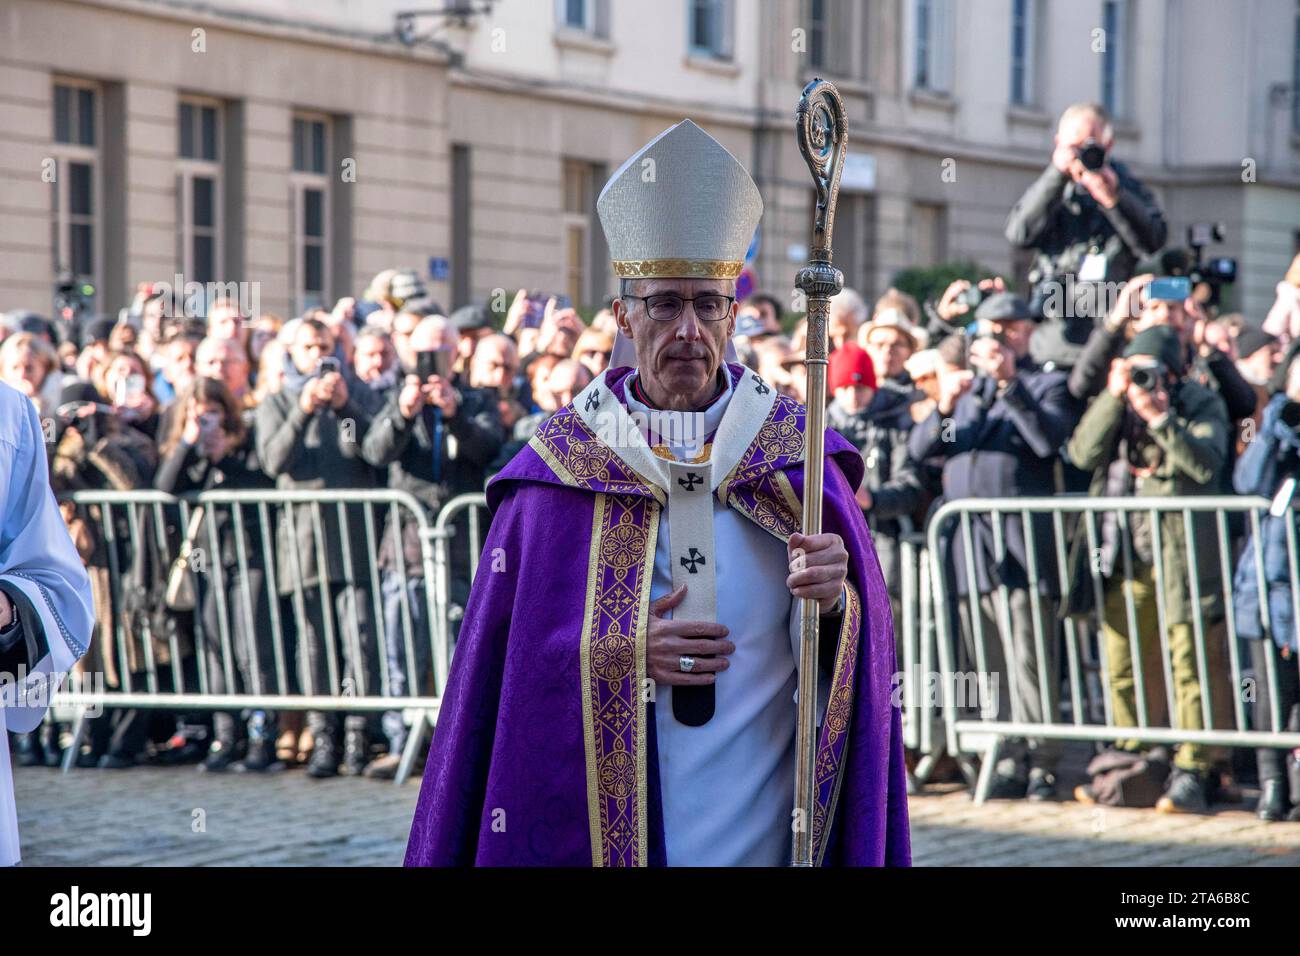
438, 541
200, 668
474, 507
917, 638
1087, 675
236, 649
917, 634
918, 641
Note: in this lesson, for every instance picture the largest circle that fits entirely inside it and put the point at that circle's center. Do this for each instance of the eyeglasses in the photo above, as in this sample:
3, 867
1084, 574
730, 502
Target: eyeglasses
667, 306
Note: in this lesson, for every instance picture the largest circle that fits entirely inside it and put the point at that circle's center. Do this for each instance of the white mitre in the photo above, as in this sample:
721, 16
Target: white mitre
681, 207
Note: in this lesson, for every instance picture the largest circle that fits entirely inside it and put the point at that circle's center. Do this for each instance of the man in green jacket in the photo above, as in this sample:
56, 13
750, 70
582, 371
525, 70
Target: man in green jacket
1155, 433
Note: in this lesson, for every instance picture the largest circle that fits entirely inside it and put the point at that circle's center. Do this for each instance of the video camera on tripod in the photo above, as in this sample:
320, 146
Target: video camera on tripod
73, 301
1207, 275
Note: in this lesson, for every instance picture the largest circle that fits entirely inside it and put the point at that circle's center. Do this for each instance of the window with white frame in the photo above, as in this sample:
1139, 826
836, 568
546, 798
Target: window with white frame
577, 14
198, 190
932, 22
583, 16
577, 223
1024, 25
1114, 70
310, 199
836, 39
818, 34
709, 26
77, 242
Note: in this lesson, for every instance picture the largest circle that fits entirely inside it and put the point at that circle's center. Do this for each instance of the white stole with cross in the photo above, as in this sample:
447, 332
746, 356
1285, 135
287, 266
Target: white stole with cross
726, 786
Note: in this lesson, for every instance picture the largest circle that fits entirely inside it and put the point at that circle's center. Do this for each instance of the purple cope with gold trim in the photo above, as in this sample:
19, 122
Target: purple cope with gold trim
545, 750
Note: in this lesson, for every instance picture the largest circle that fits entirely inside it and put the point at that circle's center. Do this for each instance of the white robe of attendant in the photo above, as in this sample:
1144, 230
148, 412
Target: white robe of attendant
728, 786
37, 560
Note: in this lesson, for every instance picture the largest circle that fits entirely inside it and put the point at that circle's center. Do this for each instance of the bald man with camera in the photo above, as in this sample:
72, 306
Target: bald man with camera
1090, 220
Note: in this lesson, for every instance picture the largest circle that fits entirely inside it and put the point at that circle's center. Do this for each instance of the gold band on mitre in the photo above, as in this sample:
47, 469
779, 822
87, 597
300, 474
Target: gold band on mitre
677, 269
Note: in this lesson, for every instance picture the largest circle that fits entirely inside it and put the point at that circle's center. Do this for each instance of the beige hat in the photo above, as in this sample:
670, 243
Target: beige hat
895, 319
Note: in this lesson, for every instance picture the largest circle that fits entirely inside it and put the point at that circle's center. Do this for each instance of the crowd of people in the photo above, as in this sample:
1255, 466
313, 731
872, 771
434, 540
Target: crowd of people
1165, 400
384, 391
981, 393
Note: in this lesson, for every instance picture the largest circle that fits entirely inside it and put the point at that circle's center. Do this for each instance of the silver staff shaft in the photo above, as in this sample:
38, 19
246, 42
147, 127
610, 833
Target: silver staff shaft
823, 140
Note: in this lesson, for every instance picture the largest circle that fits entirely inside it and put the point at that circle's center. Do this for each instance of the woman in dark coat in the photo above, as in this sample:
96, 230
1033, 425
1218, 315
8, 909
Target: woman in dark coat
210, 445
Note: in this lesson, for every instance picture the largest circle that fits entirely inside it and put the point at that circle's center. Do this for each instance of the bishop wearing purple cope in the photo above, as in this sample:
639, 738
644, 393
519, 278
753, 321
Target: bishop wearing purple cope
647, 543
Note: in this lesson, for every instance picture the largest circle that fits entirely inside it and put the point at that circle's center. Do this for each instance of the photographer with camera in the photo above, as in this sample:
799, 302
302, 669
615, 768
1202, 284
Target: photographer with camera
1154, 432
309, 436
1270, 466
1090, 220
1147, 302
435, 436
998, 428
207, 443
123, 382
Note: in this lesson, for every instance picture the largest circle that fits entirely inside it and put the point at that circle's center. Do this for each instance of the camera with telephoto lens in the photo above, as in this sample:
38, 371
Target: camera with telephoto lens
73, 304
1092, 154
1208, 275
1147, 375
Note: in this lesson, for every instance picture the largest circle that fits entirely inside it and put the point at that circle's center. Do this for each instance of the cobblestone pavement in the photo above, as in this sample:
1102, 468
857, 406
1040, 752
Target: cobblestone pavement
177, 816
